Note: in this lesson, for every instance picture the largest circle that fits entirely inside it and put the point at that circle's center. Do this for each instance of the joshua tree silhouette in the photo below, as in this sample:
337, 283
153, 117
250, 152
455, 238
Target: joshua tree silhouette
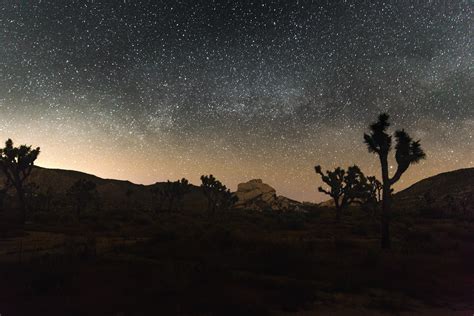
17, 163
171, 192
407, 152
375, 188
217, 194
345, 187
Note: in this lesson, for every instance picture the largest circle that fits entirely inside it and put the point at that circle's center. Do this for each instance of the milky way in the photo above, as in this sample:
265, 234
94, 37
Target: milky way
156, 90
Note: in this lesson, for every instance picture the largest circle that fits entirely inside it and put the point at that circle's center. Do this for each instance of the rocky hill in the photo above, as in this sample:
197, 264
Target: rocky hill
259, 196
114, 194
118, 194
452, 190
449, 191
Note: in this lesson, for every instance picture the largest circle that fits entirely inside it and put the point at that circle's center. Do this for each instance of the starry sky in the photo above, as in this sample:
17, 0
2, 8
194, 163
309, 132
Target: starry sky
155, 90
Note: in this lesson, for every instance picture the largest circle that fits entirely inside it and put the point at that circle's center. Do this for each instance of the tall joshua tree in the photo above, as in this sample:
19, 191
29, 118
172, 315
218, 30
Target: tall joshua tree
407, 152
17, 163
344, 187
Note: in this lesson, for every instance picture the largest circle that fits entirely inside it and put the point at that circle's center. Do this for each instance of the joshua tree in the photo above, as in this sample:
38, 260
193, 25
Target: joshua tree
344, 187
171, 192
228, 199
17, 163
407, 152
217, 194
158, 196
82, 192
177, 190
375, 188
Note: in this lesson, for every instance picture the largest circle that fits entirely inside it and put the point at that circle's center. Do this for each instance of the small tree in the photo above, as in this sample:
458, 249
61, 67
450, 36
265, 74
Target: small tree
407, 152
82, 192
171, 192
344, 187
374, 195
228, 199
177, 191
158, 196
17, 163
217, 194
375, 188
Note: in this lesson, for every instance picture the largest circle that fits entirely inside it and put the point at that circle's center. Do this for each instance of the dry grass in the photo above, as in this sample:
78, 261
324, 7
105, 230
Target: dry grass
236, 263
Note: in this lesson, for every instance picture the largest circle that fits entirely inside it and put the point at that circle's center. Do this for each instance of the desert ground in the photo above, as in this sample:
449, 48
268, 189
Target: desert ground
238, 263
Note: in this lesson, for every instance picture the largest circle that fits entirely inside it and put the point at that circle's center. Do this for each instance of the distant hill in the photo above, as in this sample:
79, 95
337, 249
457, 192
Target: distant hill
119, 194
445, 190
114, 194
442, 190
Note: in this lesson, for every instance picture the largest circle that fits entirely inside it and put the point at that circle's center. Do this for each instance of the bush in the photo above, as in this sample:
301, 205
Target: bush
291, 221
44, 217
344, 243
431, 212
372, 258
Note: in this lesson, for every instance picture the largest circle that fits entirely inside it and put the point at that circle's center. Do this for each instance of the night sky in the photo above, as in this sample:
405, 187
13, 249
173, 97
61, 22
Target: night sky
155, 90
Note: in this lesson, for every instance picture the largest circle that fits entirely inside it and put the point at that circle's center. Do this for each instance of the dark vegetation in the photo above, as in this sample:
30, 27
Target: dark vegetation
407, 152
105, 247
351, 187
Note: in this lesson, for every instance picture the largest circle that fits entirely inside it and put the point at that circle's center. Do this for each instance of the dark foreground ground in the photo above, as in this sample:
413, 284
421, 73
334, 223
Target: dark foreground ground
237, 263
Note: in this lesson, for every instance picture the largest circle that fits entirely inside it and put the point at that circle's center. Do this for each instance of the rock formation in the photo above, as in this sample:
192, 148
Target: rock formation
258, 196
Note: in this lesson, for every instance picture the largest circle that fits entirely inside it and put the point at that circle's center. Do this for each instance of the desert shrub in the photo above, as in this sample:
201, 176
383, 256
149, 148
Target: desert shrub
313, 214
66, 218
47, 278
390, 302
342, 243
363, 228
223, 238
371, 258
44, 217
415, 241
164, 235
141, 218
431, 212
282, 258
80, 247
291, 221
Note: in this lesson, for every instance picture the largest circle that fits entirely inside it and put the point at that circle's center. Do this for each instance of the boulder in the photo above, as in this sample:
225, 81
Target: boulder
258, 196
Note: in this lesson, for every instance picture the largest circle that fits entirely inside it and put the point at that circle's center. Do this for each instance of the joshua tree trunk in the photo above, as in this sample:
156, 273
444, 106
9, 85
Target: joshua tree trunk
386, 197
3, 195
338, 210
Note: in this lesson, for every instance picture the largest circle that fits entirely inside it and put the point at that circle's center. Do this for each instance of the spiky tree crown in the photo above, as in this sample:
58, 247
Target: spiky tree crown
212, 184
334, 179
407, 151
379, 141
23, 157
17, 162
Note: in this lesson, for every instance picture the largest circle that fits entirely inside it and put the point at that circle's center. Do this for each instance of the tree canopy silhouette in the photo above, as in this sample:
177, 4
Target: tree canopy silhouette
82, 192
407, 152
171, 192
17, 163
345, 187
217, 194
